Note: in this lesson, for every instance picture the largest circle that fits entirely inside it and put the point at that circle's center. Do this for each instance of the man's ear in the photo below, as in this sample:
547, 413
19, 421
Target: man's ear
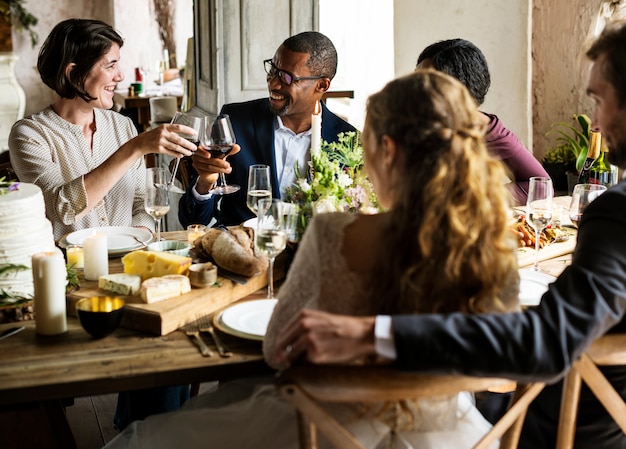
323, 84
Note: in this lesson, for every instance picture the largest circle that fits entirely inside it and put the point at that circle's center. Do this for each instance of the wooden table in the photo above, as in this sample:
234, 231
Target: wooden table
36, 368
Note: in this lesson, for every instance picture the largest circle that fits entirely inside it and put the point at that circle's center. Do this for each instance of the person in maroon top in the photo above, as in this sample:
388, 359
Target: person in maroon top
464, 61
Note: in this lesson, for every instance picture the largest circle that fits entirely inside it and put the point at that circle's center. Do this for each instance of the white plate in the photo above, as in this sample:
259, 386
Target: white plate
119, 238
247, 319
533, 284
251, 223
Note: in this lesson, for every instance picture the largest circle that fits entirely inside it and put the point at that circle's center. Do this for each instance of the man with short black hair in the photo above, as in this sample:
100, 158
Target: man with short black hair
274, 131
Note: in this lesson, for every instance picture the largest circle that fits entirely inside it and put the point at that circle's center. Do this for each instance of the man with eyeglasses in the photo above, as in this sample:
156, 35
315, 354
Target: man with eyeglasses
274, 131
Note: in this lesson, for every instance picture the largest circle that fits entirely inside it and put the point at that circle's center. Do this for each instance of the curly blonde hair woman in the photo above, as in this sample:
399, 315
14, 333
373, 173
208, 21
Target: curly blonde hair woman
443, 245
446, 243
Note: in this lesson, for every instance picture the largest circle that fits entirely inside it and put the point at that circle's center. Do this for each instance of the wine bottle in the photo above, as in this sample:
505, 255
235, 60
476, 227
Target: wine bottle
602, 172
593, 152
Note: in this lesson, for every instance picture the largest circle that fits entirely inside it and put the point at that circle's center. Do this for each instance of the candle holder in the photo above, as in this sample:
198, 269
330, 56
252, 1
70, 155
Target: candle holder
75, 257
194, 231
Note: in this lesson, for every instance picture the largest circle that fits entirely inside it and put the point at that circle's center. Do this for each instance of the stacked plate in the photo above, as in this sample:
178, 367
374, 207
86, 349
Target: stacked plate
247, 319
533, 284
120, 239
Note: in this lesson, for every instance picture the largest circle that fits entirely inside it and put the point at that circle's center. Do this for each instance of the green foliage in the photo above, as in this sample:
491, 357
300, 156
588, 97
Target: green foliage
574, 137
22, 19
561, 154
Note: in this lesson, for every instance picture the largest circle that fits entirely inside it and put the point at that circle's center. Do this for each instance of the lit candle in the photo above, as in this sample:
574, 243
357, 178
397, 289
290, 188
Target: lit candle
195, 231
49, 279
96, 257
75, 256
316, 130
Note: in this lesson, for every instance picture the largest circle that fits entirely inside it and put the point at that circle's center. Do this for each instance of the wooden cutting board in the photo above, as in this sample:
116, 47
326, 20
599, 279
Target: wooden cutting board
526, 256
166, 316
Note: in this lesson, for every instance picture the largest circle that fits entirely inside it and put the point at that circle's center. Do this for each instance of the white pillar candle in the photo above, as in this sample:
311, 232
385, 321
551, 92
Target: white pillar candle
316, 130
49, 278
96, 257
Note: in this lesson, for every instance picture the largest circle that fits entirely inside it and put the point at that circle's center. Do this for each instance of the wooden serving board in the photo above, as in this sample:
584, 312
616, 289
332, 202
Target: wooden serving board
526, 255
166, 316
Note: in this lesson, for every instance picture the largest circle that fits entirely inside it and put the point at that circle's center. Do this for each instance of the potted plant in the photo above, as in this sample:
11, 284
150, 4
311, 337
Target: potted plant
14, 14
564, 161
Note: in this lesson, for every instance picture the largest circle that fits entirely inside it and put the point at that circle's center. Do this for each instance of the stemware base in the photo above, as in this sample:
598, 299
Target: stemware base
225, 190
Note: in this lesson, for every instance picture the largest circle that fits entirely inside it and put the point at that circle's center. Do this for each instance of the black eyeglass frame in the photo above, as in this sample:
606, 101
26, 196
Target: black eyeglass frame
272, 71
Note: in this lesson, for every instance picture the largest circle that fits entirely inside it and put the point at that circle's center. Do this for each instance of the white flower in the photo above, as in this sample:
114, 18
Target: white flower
344, 180
324, 206
303, 185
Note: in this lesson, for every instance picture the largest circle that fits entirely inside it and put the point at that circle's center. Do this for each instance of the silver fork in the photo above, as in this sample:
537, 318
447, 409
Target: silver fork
192, 331
204, 325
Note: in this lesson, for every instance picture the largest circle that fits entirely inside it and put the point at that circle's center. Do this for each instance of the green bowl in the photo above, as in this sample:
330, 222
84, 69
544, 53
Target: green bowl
171, 246
100, 315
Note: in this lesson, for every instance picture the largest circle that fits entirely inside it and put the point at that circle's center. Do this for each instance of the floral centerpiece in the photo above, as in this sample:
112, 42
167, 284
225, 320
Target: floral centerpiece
336, 181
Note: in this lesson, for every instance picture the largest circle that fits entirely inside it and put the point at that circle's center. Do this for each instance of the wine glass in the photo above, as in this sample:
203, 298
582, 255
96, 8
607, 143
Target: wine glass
539, 209
198, 124
581, 197
157, 196
223, 140
259, 186
270, 238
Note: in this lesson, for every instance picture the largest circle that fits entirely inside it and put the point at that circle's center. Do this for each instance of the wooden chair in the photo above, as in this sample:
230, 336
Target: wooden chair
609, 350
306, 387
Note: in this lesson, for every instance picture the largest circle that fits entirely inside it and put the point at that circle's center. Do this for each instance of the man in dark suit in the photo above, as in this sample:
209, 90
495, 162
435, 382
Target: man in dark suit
587, 300
274, 131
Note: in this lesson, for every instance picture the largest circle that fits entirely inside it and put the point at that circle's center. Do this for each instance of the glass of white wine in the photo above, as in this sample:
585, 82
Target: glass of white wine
270, 238
157, 196
259, 185
539, 209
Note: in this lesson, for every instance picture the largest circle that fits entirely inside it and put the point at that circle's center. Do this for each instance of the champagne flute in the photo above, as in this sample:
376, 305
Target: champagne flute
223, 140
157, 196
270, 238
259, 186
539, 209
581, 197
198, 124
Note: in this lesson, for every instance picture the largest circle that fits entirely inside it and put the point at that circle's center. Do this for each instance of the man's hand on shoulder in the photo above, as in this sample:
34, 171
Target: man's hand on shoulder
321, 337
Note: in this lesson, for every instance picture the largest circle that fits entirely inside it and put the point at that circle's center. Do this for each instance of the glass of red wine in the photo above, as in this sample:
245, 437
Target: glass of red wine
222, 139
581, 197
197, 124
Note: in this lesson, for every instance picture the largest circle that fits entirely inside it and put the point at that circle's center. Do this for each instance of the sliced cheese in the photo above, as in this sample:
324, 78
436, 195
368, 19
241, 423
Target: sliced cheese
160, 288
150, 264
120, 283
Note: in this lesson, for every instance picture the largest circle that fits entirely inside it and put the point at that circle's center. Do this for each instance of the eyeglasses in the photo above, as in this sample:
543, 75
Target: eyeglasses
284, 76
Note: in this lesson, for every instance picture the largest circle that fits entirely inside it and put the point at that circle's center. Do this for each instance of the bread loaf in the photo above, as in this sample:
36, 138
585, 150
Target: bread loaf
232, 250
229, 254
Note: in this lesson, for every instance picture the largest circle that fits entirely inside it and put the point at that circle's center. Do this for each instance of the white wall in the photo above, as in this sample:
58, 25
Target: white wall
499, 28
362, 31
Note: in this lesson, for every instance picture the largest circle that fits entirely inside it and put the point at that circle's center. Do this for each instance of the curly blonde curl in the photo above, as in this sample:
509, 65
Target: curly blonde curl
448, 242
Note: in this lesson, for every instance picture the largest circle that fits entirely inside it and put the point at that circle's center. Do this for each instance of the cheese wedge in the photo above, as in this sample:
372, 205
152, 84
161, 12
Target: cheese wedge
160, 288
148, 264
122, 284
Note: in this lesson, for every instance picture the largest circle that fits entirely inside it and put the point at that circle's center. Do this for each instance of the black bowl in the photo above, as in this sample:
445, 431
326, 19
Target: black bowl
100, 315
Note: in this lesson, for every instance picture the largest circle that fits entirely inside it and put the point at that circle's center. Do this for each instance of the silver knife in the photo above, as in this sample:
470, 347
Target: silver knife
11, 331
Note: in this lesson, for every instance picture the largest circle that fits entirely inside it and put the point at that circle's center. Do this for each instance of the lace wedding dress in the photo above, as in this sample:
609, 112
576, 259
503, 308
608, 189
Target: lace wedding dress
249, 413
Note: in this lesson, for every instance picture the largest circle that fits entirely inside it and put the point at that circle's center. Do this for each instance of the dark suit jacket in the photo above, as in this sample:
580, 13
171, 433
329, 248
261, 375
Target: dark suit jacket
253, 124
586, 301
